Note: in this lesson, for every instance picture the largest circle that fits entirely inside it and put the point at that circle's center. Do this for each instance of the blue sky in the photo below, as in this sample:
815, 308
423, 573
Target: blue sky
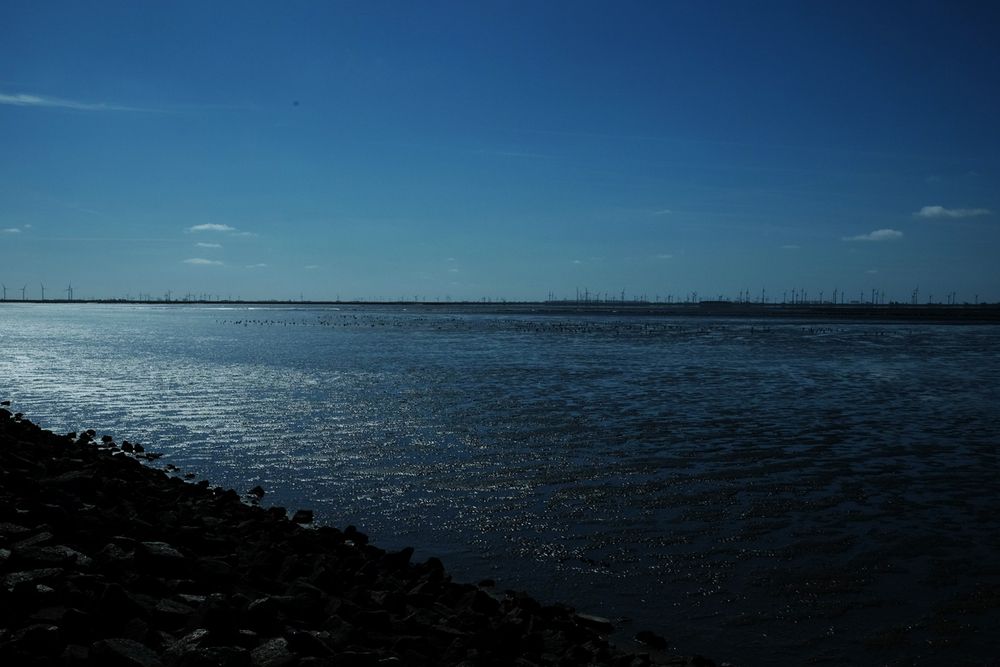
506, 150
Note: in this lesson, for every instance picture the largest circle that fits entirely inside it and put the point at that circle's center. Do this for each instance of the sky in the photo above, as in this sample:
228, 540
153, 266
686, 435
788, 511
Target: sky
502, 150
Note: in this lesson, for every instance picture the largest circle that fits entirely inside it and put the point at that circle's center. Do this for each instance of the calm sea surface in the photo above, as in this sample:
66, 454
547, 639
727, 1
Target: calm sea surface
765, 492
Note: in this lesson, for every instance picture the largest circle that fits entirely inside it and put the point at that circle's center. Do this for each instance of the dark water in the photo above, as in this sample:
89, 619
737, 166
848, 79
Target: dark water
761, 492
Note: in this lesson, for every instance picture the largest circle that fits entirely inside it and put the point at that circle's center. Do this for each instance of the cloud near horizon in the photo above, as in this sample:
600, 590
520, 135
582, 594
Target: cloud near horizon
200, 261
942, 212
201, 244
211, 227
11, 230
877, 235
28, 100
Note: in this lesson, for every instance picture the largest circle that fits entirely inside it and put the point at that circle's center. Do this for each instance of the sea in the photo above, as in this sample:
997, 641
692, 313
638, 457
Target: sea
759, 491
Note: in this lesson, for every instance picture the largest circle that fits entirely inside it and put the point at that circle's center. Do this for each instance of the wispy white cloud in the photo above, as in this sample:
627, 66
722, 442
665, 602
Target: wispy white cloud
208, 245
453, 270
576, 261
11, 230
29, 100
942, 212
259, 265
311, 267
211, 227
663, 211
877, 235
201, 261
664, 255
871, 272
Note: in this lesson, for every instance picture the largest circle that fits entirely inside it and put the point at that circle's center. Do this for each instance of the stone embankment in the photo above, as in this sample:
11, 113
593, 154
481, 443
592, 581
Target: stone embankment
106, 561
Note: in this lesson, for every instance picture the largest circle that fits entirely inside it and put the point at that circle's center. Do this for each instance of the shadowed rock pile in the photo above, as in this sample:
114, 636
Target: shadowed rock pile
105, 561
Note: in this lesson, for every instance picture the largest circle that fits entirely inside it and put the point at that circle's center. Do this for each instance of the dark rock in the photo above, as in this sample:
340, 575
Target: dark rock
189, 642
652, 640
302, 516
58, 555
215, 656
357, 659
33, 541
379, 620
75, 655
117, 604
257, 492
597, 623
170, 614
217, 614
189, 576
160, 556
273, 653
307, 643
39, 639
115, 556
121, 652
31, 576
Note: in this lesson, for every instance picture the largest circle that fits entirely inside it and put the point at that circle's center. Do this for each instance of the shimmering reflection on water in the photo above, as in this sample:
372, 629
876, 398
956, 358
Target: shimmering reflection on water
770, 493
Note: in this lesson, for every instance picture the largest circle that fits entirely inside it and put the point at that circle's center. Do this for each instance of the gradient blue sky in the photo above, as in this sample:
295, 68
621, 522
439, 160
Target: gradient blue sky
501, 149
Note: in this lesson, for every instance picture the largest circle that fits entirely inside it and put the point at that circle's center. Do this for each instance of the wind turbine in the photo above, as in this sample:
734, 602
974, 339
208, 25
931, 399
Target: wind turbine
69, 292
22, 292
4, 292
43, 291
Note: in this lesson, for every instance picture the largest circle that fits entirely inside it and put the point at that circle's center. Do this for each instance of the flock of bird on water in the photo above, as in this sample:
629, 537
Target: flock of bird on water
604, 327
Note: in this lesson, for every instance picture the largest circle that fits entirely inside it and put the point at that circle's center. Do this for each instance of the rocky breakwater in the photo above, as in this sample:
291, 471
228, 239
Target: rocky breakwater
107, 561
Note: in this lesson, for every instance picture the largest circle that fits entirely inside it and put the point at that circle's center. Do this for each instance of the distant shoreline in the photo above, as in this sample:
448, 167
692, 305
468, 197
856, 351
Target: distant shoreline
896, 312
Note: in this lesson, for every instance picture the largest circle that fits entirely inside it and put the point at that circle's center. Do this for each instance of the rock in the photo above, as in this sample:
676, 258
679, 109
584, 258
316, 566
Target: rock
33, 541
121, 652
302, 516
31, 576
216, 656
273, 653
189, 642
257, 492
39, 638
159, 555
117, 604
307, 643
598, 623
75, 655
191, 577
652, 640
169, 614
58, 555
